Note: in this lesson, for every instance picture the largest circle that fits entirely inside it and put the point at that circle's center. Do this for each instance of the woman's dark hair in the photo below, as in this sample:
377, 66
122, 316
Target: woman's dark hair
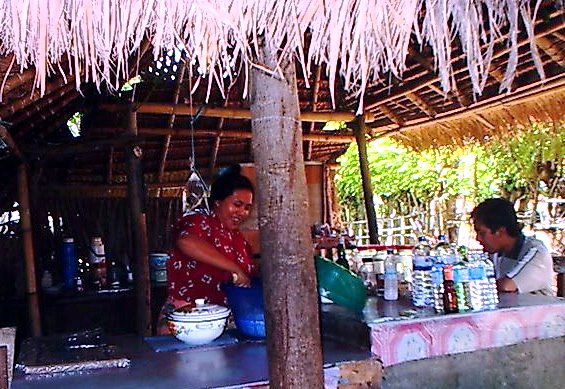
227, 181
495, 213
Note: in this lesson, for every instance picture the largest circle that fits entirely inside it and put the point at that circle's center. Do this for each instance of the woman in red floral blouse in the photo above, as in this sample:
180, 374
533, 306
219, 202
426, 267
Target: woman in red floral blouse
209, 250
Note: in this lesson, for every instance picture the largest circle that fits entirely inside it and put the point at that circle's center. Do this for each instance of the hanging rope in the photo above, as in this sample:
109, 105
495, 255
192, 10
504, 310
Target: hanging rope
197, 192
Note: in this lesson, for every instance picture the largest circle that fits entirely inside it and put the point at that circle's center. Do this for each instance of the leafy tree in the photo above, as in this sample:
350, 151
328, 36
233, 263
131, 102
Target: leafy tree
510, 166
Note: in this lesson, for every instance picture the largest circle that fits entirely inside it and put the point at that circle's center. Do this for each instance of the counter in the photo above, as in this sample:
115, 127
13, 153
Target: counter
397, 332
203, 367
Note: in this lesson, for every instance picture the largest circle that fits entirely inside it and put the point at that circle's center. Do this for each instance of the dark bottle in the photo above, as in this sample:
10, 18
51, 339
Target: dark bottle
341, 254
449, 292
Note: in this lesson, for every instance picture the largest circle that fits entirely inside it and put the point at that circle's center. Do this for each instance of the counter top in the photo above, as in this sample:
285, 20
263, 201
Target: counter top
204, 367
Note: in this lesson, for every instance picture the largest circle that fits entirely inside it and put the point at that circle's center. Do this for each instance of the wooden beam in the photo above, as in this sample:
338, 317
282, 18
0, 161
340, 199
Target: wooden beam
455, 95
6, 110
18, 79
171, 121
60, 110
81, 147
110, 174
423, 82
136, 197
484, 121
551, 49
29, 255
559, 35
496, 73
360, 133
45, 105
224, 112
421, 103
389, 113
11, 143
149, 131
528, 93
315, 92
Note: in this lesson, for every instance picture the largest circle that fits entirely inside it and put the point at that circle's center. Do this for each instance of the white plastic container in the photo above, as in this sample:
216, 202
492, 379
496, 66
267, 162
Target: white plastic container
391, 278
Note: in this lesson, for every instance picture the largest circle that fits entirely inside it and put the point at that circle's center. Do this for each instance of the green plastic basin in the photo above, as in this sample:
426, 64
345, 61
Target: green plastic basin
340, 285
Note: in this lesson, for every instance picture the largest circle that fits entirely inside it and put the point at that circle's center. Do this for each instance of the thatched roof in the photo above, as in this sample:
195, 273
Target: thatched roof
501, 63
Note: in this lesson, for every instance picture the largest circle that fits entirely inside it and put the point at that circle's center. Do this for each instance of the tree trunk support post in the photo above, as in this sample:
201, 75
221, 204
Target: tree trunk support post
291, 299
29, 255
360, 132
136, 195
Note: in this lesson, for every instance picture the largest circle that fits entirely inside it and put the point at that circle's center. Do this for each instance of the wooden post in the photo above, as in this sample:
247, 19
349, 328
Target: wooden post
291, 299
136, 195
360, 132
29, 256
4, 382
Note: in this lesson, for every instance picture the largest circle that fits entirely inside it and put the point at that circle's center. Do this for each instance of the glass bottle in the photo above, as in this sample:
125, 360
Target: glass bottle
449, 292
341, 254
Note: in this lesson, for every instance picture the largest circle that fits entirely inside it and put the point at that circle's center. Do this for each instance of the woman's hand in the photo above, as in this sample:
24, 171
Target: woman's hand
239, 278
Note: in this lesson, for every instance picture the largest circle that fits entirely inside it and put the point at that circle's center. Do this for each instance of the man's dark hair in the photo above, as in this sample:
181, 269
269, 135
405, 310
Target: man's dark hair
495, 213
228, 181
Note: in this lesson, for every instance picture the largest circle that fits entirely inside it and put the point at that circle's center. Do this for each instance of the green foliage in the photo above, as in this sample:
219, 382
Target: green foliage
404, 178
74, 124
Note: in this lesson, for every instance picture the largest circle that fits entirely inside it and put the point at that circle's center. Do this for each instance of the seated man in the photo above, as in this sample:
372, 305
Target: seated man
522, 264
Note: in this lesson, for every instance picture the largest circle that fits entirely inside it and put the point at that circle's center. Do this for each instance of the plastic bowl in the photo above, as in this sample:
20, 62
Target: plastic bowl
247, 308
340, 285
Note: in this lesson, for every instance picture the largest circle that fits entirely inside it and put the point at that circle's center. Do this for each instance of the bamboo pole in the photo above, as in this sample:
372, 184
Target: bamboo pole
225, 112
29, 255
136, 197
360, 132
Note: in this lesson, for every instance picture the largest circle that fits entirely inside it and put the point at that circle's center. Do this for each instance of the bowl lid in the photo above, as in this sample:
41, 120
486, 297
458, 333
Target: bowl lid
201, 312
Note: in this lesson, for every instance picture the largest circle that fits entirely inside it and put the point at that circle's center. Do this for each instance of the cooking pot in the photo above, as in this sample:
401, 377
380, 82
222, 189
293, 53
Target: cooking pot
198, 325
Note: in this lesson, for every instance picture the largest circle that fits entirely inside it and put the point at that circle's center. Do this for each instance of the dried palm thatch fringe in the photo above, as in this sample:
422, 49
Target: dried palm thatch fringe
359, 40
547, 109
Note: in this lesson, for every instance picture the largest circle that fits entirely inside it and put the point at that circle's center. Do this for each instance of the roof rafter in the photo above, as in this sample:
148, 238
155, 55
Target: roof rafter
421, 103
423, 82
533, 91
551, 49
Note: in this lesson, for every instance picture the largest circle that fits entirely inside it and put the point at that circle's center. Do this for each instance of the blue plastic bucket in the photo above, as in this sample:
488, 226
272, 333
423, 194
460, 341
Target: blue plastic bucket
247, 307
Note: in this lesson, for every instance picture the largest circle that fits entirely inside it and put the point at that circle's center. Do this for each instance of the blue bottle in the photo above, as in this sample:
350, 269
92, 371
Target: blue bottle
69, 263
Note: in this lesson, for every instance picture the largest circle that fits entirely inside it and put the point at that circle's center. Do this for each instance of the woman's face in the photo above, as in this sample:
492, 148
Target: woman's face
234, 209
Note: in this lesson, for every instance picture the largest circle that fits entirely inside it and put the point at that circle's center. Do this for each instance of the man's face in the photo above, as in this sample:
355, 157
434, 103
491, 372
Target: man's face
490, 240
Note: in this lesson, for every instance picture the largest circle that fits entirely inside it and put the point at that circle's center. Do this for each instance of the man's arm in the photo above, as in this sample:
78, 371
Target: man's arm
506, 285
534, 270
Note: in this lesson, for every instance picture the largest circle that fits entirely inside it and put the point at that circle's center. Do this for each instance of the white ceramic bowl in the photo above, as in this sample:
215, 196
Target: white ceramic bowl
199, 325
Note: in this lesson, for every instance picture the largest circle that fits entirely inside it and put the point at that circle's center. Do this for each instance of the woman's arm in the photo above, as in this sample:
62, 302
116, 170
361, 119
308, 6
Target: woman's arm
204, 252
